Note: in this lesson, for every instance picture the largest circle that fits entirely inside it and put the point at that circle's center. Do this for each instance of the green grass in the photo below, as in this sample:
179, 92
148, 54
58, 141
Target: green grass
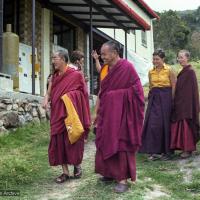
23, 158
24, 166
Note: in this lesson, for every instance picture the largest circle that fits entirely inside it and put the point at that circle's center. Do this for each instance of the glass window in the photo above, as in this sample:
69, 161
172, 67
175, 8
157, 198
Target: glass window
144, 38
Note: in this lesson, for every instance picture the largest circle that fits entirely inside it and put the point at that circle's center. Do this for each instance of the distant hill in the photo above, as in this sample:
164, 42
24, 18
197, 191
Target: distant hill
192, 18
178, 30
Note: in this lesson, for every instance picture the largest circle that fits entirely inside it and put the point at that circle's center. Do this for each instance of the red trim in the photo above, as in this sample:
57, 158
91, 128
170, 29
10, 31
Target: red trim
148, 9
132, 14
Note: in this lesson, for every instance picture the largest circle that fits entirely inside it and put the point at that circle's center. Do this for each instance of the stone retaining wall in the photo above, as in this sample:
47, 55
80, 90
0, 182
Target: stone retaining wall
16, 109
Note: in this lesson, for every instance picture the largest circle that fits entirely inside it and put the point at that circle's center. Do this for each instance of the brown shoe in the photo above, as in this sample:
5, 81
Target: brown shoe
120, 188
62, 178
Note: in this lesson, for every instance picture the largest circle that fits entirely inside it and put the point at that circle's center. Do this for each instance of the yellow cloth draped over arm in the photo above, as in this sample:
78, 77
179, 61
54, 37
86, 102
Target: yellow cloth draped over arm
72, 122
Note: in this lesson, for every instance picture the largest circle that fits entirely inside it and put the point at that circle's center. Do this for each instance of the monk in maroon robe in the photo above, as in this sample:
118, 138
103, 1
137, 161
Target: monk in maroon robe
119, 119
185, 128
71, 82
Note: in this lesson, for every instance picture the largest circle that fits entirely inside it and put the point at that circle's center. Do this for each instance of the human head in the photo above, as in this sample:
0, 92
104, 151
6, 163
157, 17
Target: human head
183, 57
158, 58
110, 52
77, 58
59, 60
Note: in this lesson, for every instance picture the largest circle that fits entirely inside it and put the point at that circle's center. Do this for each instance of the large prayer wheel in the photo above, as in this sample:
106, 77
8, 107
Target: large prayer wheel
11, 55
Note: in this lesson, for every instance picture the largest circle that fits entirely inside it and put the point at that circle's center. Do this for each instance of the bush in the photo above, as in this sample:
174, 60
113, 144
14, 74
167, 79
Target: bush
170, 57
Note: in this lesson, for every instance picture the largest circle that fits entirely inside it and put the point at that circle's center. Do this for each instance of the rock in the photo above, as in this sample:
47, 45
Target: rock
24, 101
22, 120
15, 107
28, 117
34, 112
2, 106
9, 107
1, 123
7, 101
10, 119
41, 112
28, 107
21, 110
20, 104
33, 104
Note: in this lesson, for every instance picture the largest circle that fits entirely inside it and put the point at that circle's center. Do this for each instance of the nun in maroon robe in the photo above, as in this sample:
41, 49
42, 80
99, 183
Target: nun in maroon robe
61, 151
119, 122
185, 128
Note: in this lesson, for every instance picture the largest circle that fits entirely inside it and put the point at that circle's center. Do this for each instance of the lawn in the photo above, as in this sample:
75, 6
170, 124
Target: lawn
24, 167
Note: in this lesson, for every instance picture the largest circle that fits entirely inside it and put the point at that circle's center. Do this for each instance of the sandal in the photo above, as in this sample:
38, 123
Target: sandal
77, 172
154, 157
62, 178
185, 155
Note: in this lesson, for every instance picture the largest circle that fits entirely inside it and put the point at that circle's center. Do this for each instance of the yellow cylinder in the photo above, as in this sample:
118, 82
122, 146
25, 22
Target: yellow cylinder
11, 55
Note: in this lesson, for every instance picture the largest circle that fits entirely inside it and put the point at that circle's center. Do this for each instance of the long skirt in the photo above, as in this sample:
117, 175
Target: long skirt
182, 137
120, 166
61, 151
156, 130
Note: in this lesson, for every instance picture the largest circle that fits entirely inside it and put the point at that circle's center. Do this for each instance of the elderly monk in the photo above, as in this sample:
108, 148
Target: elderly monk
119, 119
70, 82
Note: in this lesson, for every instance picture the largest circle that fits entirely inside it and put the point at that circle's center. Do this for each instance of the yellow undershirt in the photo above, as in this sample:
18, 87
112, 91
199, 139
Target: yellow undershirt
104, 72
160, 78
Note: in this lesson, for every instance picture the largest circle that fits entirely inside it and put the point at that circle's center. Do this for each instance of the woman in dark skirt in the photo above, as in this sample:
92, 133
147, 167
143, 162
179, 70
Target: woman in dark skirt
156, 130
185, 126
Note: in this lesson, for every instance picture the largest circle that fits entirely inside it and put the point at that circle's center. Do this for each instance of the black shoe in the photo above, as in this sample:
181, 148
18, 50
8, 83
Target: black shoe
77, 172
106, 179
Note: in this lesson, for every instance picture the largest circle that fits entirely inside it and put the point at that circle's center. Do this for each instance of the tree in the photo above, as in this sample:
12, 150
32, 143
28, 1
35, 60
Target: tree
171, 32
194, 45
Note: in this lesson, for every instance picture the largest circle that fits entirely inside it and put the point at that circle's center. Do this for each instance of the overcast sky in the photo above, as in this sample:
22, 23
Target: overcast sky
161, 5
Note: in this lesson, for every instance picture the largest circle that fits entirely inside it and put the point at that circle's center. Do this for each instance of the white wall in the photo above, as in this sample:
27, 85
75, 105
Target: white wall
45, 51
134, 41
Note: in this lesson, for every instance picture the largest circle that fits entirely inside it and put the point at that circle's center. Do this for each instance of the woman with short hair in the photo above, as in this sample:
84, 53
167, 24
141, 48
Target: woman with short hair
185, 128
156, 130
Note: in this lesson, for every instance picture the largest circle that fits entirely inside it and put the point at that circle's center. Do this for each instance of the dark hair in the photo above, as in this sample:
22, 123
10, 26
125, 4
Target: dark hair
115, 46
160, 53
76, 55
186, 52
63, 54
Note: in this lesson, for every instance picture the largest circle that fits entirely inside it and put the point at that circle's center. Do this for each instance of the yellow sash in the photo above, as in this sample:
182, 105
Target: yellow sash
104, 72
72, 122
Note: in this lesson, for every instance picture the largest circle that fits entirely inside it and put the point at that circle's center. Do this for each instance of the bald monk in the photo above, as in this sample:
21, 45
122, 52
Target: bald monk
119, 119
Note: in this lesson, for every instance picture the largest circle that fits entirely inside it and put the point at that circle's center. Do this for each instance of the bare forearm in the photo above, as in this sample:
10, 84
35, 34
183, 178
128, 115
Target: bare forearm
98, 65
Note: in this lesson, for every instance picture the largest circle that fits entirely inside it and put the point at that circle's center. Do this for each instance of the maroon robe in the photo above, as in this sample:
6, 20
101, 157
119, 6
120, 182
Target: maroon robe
185, 128
60, 150
119, 122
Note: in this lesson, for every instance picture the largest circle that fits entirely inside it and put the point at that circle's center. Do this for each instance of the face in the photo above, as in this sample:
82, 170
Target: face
182, 59
108, 56
80, 63
57, 62
158, 61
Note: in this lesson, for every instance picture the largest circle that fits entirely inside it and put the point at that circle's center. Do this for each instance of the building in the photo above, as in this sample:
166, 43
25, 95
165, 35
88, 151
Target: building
48, 25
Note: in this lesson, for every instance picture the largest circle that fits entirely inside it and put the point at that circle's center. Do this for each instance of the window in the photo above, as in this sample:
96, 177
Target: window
64, 34
144, 38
